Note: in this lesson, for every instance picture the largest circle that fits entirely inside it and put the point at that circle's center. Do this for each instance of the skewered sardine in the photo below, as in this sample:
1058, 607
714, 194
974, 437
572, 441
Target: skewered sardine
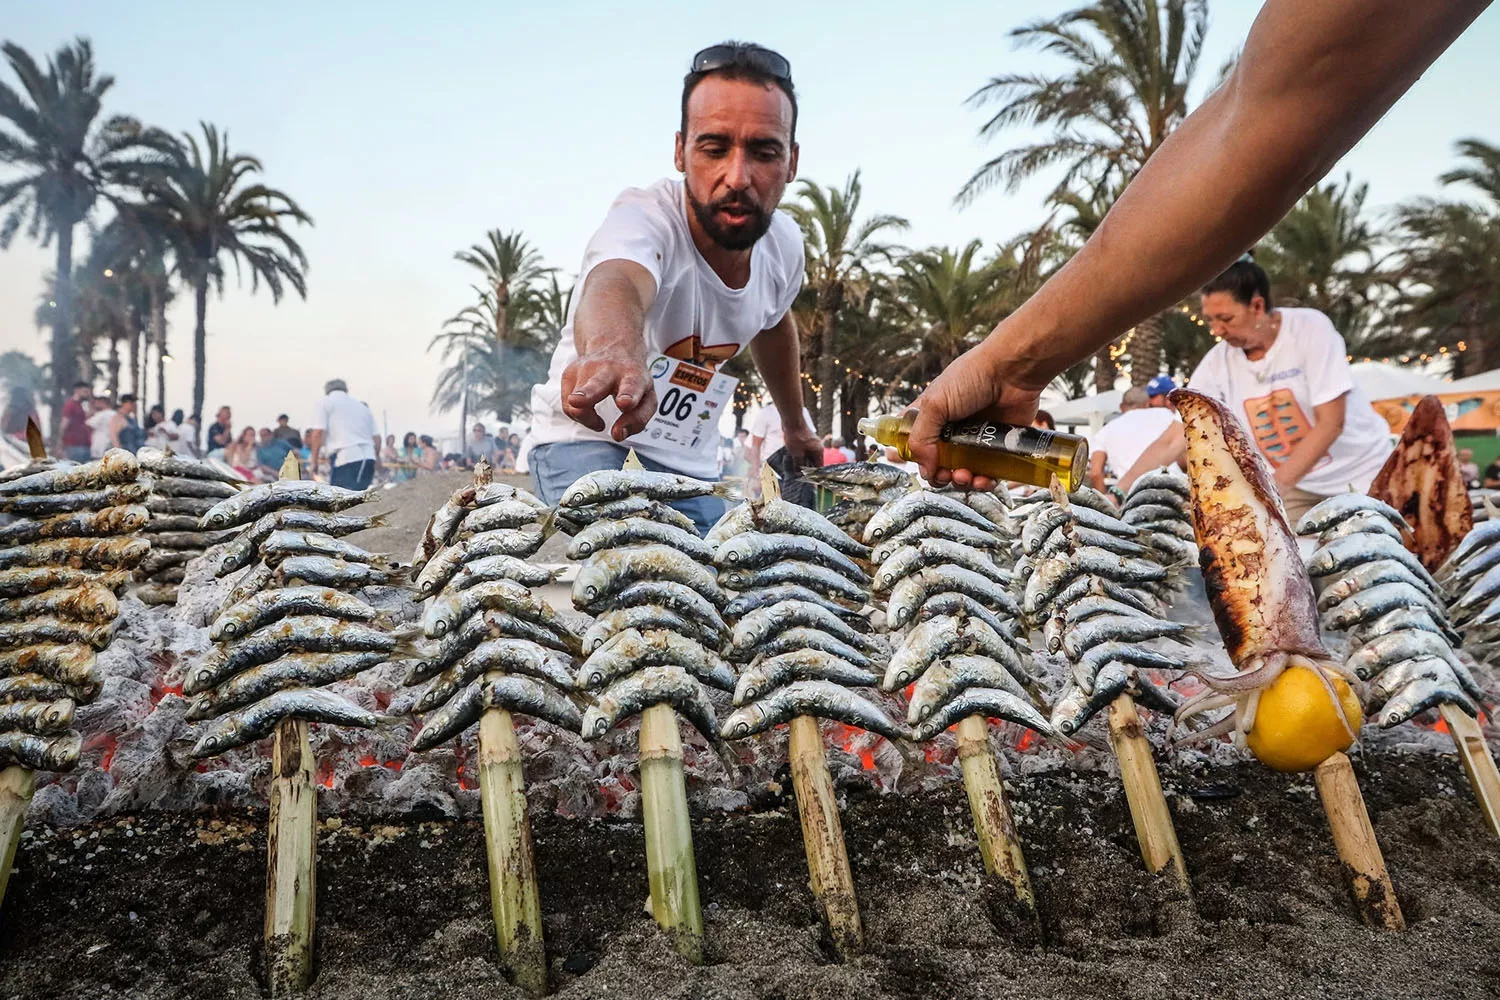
87, 602
82, 524
822, 699
40, 505
604, 535
638, 691
115, 468
78, 553
258, 501
773, 671
258, 721
267, 606
514, 694
41, 753
632, 650
292, 670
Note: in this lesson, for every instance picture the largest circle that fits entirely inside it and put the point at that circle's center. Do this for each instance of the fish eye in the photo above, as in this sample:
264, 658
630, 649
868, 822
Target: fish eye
742, 729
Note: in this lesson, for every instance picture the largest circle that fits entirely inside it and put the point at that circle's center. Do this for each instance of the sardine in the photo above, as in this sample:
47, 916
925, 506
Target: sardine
31, 631
1053, 574
308, 670
1076, 706
944, 637
632, 650
958, 605
495, 517
644, 617
87, 602
1163, 479
1365, 576
203, 489
934, 552
41, 753
1421, 695
114, 469
197, 541
1050, 517
1480, 538
260, 500
256, 722
778, 517
574, 519
1179, 530
992, 703
604, 535
441, 526
160, 559
1175, 503
1084, 636
1092, 661
511, 656
164, 463
194, 507
42, 504
39, 718
285, 542
766, 623
773, 671
327, 572
269, 605
83, 524
1398, 675
493, 568
437, 571
1148, 512
154, 593
817, 578
1374, 602
745, 603
753, 550
1084, 496
73, 664
1456, 578
948, 678
924, 503
77, 553
876, 475
608, 485
1369, 660
939, 527
1354, 550
1399, 620
1069, 536
514, 694
445, 613
607, 573
1337, 509
252, 581
35, 687
1089, 585
638, 691
908, 595
293, 634
815, 639
822, 699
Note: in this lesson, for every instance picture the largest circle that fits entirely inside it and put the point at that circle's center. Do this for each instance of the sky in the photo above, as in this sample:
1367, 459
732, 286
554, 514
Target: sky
408, 130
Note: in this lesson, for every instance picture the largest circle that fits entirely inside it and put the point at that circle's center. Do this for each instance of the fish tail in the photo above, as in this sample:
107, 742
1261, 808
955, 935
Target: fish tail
406, 647
549, 522
381, 520
724, 491
395, 726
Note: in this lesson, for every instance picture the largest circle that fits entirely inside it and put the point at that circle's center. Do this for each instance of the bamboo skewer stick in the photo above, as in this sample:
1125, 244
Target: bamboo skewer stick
1478, 763
996, 830
291, 861
16, 786
828, 872
1148, 806
670, 865
515, 903
1354, 837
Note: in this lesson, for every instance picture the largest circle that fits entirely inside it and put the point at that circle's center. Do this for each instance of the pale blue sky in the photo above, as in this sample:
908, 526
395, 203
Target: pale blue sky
406, 130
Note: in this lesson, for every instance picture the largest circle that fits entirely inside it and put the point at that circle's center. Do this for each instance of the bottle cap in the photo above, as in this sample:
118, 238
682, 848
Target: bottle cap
869, 425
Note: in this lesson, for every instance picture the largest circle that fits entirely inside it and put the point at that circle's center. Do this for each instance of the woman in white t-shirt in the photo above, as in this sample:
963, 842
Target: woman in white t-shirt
1284, 373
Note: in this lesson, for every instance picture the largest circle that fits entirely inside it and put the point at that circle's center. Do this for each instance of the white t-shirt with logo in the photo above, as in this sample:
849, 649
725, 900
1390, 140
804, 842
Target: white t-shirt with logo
348, 428
1275, 396
695, 316
1124, 438
767, 424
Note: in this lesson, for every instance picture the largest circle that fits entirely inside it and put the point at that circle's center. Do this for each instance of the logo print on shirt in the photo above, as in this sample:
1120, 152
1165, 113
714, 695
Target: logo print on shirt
692, 349
1278, 424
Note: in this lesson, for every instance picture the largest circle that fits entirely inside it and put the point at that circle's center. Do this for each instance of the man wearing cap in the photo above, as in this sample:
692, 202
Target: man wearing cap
692, 269
1157, 390
345, 427
1116, 445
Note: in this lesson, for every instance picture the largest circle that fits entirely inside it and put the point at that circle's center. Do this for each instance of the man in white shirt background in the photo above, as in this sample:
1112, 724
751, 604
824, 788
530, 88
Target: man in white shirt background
1285, 374
101, 426
766, 437
693, 270
345, 428
1115, 447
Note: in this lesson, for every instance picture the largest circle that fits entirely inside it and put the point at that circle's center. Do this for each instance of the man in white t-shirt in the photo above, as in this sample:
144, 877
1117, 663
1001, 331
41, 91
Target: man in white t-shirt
1116, 445
345, 428
693, 270
101, 423
766, 437
1284, 373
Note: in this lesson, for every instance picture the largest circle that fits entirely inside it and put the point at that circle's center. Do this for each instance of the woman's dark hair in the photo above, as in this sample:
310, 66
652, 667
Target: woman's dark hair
409, 440
1243, 280
1046, 418
177, 416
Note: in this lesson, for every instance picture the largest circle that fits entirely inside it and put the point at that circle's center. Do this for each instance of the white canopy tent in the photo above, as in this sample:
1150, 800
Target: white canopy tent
1090, 411
1378, 380
1483, 382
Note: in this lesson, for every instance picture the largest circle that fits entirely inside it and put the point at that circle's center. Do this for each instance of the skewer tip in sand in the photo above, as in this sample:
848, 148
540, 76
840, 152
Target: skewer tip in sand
16, 787
1148, 806
515, 902
670, 865
993, 825
829, 876
1478, 762
1354, 837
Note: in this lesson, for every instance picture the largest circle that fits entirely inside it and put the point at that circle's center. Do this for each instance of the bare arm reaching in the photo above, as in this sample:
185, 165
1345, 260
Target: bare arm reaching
1311, 81
609, 330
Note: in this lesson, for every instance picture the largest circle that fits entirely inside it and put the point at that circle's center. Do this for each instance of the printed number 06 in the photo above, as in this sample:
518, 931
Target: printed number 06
676, 403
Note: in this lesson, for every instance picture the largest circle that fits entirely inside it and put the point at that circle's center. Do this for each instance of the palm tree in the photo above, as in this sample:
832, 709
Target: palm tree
1082, 214
839, 250
1321, 255
210, 214
1124, 92
1448, 265
486, 373
70, 158
509, 263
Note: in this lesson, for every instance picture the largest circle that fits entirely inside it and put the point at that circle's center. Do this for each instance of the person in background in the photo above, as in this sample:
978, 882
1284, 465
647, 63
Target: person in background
271, 450
1285, 375
833, 451
155, 417
240, 454
1158, 389
510, 460
100, 423
848, 451
190, 434
345, 427
1114, 448
220, 432
284, 431
76, 436
766, 438
432, 458
1043, 421
480, 446
389, 454
20, 409
1468, 468
1491, 479
741, 459
405, 460
166, 434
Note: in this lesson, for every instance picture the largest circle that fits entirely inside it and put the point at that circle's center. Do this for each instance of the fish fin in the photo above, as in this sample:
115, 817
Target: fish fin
724, 491
381, 520
406, 646
549, 522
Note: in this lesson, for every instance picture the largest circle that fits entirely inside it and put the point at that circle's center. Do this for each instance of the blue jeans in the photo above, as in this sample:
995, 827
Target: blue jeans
353, 475
555, 467
76, 453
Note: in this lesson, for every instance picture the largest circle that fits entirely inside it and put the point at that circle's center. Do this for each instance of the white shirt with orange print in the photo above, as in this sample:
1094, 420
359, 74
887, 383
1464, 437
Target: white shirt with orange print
695, 317
1275, 397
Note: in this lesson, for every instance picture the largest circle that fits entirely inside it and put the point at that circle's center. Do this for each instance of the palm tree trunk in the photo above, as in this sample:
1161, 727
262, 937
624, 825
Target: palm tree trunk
1145, 351
463, 402
200, 340
114, 366
135, 359
159, 336
64, 374
1105, 370
830, 301
856, 397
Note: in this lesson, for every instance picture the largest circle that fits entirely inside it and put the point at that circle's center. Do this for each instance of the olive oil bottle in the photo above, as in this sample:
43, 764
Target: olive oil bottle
988, 447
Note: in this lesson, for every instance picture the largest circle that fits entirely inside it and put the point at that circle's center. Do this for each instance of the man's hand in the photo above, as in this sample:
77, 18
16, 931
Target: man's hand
801, 442
1285, 479
592, 378
976, 381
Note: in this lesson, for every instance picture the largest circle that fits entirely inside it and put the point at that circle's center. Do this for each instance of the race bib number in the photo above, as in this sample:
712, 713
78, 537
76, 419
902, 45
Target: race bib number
689, 402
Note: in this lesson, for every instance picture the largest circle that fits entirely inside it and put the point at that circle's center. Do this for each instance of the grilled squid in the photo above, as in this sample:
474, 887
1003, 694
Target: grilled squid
1291, 702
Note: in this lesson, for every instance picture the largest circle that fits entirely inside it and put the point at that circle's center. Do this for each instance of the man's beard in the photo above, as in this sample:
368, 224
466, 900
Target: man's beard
740, 238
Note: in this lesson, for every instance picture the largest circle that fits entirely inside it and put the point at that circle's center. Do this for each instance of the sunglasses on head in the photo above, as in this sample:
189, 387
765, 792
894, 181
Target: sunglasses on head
754, 56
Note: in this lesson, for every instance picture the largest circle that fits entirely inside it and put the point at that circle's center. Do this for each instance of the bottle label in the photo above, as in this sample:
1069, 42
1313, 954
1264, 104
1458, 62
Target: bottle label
1026, 442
